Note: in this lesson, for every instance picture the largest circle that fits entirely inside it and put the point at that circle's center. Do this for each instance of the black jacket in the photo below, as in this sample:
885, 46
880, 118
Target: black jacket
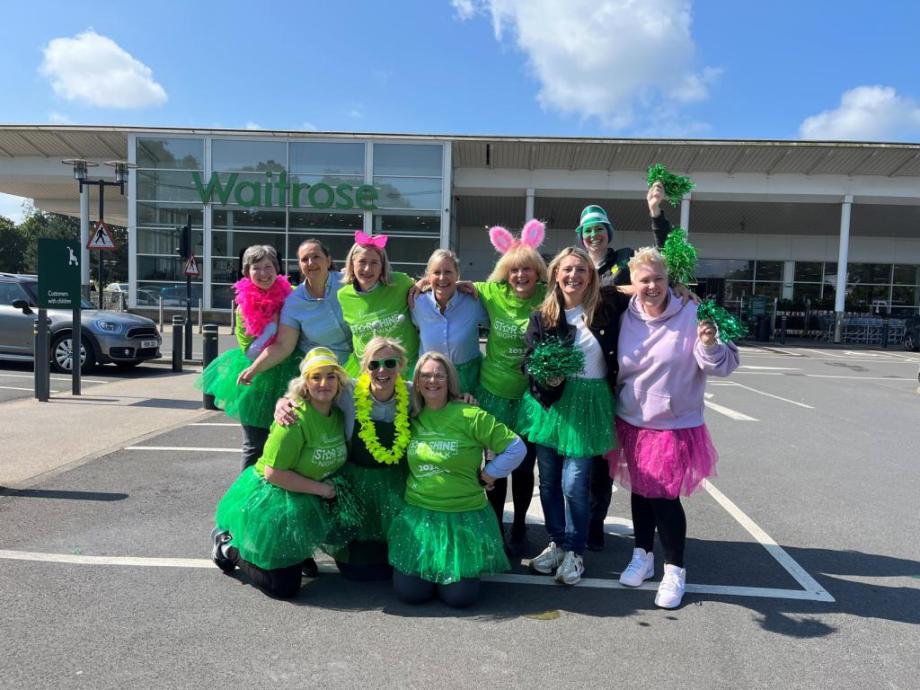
614, 269
605, 329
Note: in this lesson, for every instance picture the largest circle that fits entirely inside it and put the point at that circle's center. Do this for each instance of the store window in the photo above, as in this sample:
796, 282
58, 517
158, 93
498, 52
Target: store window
170, 154
248, 156
319, 159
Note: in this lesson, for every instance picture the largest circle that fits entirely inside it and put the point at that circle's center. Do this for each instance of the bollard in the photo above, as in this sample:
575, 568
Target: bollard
200, 314
42, 357
161, 313
177, 322
208, 355
782, 329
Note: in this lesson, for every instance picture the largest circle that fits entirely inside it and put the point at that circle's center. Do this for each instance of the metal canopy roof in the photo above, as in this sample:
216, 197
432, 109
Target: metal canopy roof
529, 153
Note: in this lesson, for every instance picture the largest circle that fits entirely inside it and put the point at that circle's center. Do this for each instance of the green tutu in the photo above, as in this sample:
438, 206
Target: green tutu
578, 425
381, 491
447, 547
253, 405
469, 374
275, 528
504, 410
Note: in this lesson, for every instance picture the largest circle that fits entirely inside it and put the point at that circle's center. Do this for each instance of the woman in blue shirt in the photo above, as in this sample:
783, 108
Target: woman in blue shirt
448, 321
311, 316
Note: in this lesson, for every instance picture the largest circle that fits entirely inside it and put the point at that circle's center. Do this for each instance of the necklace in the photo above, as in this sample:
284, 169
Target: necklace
368, 432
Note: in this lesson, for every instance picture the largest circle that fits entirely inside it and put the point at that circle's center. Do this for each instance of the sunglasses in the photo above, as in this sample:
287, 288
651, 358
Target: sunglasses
376, 364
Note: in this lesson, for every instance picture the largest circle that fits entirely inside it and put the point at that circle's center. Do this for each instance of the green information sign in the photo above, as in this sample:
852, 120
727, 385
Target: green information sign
58, 274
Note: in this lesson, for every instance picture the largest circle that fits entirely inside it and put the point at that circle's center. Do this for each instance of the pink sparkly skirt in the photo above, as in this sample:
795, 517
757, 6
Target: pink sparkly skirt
662, 463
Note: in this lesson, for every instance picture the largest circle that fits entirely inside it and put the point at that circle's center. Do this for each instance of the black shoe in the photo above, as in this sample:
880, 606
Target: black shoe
309, 568
217, 554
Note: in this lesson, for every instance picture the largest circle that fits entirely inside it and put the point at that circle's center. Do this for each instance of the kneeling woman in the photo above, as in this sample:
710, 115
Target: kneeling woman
276, 513
447, 536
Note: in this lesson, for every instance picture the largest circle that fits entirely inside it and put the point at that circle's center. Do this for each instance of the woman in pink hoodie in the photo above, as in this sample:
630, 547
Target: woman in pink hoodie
665, 449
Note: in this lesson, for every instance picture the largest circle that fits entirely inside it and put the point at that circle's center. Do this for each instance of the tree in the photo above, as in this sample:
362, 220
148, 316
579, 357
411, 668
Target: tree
12, 247
38, 224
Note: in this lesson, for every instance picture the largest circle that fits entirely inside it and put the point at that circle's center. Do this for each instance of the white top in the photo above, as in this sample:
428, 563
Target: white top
595, 366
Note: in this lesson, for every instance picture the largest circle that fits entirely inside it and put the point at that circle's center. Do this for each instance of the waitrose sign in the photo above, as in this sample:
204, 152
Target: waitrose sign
276, 190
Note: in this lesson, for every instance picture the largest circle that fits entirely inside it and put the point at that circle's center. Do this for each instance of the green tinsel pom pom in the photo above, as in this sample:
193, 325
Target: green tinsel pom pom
675, 186
346, 507
680, 257
730, 328
553, 358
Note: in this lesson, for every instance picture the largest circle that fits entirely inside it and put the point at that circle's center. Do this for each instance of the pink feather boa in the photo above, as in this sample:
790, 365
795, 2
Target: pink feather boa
260, 307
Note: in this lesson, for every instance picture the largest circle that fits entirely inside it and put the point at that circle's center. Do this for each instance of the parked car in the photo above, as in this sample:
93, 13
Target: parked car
107, 336
911, 339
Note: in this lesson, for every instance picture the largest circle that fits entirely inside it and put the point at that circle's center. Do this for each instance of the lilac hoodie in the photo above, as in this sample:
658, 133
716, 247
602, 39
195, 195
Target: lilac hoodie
663, 367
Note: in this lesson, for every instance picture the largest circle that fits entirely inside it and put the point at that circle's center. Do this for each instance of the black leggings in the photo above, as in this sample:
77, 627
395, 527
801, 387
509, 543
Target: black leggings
282, 583
667, 514
411, 589
522, 484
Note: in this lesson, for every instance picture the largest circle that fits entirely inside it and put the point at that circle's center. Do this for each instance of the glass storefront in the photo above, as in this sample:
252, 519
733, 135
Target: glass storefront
243, 191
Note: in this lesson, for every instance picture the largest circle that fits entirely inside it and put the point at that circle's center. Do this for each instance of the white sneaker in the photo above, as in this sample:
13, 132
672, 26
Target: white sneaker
548, 560
671, 589
569, 573
640, 568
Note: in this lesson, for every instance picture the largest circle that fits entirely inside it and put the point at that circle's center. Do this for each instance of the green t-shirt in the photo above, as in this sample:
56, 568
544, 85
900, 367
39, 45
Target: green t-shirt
501, 373
314, 446
382, 311
445, 456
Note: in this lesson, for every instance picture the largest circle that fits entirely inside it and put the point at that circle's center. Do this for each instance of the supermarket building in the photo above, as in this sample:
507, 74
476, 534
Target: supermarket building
771, 218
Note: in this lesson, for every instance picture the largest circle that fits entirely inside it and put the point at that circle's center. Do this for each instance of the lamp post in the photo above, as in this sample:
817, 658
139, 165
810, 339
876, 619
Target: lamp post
80, 173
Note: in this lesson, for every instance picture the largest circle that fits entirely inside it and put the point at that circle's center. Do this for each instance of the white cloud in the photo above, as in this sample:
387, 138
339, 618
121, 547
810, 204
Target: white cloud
253, 125
94, 69
57, 118
616, 61
356, 112
309, 127
11, 207
866, 113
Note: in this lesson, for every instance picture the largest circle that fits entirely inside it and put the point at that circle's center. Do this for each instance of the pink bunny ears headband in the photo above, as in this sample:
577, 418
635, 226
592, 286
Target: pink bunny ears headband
364, 240
531, 236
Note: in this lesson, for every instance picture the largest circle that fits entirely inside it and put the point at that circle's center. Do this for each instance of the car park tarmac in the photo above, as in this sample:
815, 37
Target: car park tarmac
802, 557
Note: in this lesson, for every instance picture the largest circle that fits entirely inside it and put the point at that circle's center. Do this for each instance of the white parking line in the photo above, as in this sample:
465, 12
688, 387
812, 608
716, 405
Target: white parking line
4, 375
808, 583
770, 395
16, 388
728, 412
190, 449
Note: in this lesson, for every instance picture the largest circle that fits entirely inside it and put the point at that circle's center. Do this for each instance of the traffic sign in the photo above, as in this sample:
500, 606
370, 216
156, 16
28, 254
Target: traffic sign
58, 274
191, 267
101, 237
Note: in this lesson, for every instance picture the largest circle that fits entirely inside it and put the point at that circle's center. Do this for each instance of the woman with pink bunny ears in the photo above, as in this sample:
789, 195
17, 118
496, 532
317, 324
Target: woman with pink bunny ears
515, 288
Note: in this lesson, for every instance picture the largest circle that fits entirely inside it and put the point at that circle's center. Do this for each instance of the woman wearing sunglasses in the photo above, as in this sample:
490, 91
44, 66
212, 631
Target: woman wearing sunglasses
447, 537
377, 420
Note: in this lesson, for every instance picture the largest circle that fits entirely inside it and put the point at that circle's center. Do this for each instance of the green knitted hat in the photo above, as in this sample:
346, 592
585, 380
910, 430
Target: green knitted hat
594, 215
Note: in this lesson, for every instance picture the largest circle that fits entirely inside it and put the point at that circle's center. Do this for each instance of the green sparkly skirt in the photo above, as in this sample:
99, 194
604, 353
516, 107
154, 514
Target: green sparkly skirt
468, 372
253, 405
381, 491
447, 547
504, 410
578, 425
275, 528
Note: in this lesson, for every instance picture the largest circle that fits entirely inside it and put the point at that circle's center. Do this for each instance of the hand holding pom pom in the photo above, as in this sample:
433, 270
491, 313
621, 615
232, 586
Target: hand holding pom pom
675, 186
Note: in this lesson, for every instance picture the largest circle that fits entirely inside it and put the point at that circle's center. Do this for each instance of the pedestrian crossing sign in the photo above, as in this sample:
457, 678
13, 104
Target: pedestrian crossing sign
191, 267
100, 237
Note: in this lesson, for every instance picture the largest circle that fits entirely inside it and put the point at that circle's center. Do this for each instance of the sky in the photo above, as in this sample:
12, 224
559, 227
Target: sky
786, 70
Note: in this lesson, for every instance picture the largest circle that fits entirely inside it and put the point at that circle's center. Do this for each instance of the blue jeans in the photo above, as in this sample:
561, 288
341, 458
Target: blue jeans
564, 486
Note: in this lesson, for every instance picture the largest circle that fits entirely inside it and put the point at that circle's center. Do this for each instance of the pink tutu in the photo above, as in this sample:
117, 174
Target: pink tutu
662, 463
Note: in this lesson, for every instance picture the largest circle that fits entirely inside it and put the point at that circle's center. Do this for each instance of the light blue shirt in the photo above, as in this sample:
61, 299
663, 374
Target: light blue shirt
319, 320
454, 333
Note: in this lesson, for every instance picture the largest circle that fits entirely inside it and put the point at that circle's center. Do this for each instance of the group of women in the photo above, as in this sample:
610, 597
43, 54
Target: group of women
397, 464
